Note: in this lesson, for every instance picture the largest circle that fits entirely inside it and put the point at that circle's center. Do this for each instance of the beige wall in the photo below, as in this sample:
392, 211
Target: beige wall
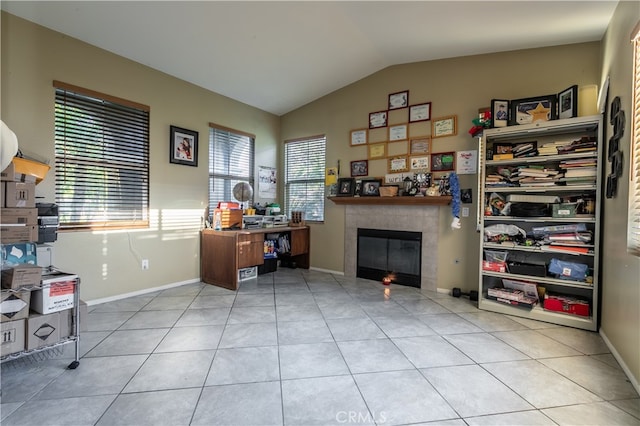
620, 283
109, 262
457, 86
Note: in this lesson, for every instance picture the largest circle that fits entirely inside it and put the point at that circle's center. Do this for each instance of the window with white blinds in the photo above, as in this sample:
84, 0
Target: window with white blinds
101, 159
231, 154
633, 227
304, 161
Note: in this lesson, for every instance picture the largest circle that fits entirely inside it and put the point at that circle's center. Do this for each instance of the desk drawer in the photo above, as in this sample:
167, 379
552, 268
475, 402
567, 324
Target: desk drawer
250, 250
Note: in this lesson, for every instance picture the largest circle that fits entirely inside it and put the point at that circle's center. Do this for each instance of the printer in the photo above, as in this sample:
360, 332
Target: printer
48, 222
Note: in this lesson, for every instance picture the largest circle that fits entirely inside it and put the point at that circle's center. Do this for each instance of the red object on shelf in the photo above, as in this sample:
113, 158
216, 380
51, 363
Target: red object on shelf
566, 304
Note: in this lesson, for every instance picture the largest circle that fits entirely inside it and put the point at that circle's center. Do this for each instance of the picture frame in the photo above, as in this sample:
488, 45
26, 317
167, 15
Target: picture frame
420, 112
370, 188
398, 132
346, 187
499, 113
443, 162
398, 100
531, 110
420, 146
420, 162
568, 102
377, 151
398, 164
378, 119
183, 146
444, 126
358, 137
358, 189
359, 168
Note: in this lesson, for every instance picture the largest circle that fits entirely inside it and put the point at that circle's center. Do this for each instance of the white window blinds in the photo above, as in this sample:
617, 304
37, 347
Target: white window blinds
231, 155
304, 177
633, 227
102, 160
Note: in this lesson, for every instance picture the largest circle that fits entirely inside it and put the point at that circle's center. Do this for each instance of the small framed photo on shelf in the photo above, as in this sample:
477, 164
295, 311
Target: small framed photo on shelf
398, 164
370, 188
444, 126
499, 113
346, 187
397, 132
419, 162
378, 119
420, 112
399, 100
443, 162
419, 146
358, 137
568, 102
377, 151
183, 146
359, 168
531, 110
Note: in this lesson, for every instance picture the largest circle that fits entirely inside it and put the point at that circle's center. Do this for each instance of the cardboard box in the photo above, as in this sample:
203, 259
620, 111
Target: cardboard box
13, 334
19, 194
10, 174
21, 276
18, 233
494, 266
18, 215
19, 254
247, 274
57, 294
66, 323
42, 330
66, 320
14, 305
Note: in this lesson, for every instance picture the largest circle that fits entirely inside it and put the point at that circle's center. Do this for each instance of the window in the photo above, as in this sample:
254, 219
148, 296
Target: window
231, 156
304, 161
633, 228
102, 160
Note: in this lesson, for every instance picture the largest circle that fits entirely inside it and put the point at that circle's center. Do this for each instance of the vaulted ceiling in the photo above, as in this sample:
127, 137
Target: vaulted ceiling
278, 56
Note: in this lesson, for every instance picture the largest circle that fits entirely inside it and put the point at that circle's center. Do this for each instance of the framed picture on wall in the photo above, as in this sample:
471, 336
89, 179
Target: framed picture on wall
358, 137
420, 112
568, 102
443, 162
183, 146
499, 113
377, 119
359, 168
399, 100
444, 126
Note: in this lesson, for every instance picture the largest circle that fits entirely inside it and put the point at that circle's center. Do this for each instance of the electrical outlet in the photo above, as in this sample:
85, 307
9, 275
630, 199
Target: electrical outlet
465, 212
145, 263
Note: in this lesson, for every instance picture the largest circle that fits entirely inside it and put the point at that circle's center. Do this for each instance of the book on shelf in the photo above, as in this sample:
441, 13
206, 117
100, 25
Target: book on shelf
580, 172
497, 157
567, 249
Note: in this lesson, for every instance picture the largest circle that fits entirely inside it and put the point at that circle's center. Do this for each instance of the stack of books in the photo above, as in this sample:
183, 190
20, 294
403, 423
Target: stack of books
551, 148
538, 176
526, 149
584, 144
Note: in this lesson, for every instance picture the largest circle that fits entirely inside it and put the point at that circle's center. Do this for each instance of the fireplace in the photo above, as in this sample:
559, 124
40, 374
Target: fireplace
396, 254
423, 219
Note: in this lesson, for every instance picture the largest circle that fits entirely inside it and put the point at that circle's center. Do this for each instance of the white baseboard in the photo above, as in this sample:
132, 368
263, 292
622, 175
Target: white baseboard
328, 271
616, 355
140, 292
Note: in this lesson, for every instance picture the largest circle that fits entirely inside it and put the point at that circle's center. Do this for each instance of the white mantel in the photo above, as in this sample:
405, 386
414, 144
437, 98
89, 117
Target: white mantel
422, 219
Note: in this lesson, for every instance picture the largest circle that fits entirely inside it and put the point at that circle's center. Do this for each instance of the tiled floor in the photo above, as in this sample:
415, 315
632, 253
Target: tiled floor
308, 348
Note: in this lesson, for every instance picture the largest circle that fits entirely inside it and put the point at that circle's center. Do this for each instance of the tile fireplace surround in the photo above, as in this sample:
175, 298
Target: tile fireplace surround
397, 218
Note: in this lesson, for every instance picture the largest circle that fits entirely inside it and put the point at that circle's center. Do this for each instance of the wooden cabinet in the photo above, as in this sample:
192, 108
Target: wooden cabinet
222, 253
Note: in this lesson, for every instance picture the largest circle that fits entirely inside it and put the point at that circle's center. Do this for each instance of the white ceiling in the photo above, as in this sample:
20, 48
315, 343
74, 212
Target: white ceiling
278, 56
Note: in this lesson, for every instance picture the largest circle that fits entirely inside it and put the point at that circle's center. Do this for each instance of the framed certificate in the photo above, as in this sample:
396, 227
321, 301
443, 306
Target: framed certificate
398, 164
419, 146
358, 137
399, 100
377, 151
397, 132
444, 126
377, 119
421, 112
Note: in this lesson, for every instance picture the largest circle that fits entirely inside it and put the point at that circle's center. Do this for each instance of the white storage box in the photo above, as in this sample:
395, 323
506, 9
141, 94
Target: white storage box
246, 274
58, 293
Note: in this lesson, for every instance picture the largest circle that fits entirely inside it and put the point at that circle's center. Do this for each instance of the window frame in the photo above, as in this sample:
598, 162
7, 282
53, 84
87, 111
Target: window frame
131, 131
230, 177
319, 180
633, 224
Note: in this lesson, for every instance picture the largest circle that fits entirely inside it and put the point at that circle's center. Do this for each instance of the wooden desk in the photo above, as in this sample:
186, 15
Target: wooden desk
222, 253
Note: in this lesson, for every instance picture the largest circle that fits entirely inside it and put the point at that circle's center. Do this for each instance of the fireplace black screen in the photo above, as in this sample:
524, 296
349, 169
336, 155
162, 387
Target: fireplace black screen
384, 253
